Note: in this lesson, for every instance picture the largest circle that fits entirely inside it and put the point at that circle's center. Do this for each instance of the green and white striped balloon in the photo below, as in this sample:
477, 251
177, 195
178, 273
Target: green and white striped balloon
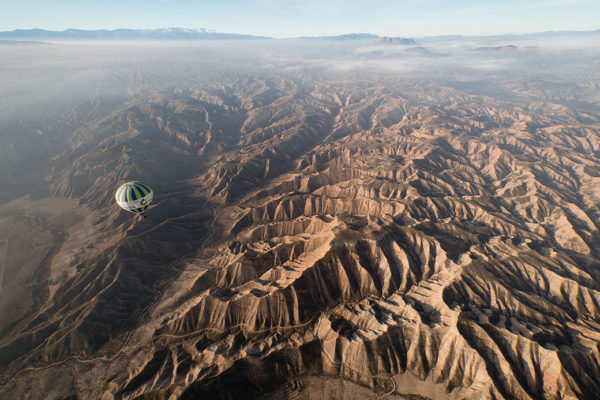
134, 197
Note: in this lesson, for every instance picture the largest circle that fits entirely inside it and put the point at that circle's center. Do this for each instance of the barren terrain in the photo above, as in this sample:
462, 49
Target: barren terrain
355, 230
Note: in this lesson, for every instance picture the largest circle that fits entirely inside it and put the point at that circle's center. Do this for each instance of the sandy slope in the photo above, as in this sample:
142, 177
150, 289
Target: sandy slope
413, 235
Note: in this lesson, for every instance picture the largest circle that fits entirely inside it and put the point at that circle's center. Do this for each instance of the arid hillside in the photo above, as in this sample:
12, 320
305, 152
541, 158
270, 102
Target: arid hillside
317, 232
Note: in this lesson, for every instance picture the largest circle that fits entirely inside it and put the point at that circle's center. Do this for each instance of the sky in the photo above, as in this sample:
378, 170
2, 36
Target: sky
293, 18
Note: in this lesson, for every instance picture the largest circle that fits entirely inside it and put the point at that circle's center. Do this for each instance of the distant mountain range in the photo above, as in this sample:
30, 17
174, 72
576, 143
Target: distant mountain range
124, 34
155, 34
394, 40
348, 36
205, 34
510, 36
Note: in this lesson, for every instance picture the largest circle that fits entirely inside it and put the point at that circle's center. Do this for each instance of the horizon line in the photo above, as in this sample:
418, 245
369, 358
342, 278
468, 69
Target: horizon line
250, 36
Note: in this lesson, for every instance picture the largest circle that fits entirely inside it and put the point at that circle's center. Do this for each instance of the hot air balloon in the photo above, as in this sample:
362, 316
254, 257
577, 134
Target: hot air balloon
134, 197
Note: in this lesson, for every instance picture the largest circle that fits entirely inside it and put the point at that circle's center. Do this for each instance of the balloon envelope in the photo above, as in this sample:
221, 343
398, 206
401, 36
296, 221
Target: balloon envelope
134, 197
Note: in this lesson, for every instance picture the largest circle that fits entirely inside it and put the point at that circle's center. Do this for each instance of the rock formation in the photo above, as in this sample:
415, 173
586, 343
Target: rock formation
313, 236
